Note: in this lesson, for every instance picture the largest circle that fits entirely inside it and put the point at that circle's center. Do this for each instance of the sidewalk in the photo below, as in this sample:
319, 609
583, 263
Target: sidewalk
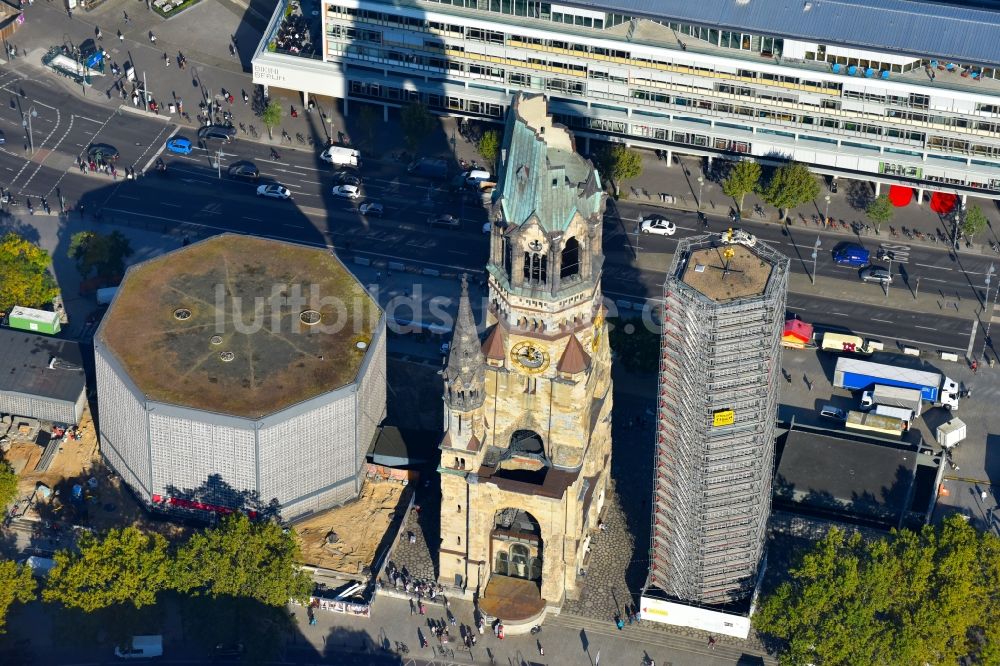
567, 640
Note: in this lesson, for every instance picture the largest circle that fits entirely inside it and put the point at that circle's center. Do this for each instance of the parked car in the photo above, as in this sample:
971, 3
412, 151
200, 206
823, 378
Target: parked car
244, 171
180, 145
346, 191
141, 647
371, 209
876, 274
831, 412
657, 224
227, 652
221, 132
3, 138
347, 177
445, 221
274, 191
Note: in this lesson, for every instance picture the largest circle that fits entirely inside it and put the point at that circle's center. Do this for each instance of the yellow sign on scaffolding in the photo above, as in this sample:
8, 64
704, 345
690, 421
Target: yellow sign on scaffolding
723, 417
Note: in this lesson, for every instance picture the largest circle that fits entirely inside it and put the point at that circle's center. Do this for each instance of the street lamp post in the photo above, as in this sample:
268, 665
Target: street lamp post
826, 211
986, 307
701, 184
815, 255
888, 283
26, 123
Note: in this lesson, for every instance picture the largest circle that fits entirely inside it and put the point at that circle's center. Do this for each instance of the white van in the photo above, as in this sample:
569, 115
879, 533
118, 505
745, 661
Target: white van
40, 566
340, 156
476, 176
142, 647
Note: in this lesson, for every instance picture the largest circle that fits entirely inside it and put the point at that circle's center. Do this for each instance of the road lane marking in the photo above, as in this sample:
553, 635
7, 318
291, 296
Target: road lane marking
172, 205
940, 268
884, 321
926, 328
927, 279
839, 314
252, 219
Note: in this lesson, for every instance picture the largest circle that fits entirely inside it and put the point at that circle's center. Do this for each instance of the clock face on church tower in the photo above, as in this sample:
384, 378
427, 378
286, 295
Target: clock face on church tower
529, 358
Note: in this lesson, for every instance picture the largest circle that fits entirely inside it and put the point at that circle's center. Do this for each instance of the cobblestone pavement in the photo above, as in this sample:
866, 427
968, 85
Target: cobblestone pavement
423, 524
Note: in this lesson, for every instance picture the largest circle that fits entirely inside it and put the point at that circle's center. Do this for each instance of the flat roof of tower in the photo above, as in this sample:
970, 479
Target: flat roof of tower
226, 325
724, 272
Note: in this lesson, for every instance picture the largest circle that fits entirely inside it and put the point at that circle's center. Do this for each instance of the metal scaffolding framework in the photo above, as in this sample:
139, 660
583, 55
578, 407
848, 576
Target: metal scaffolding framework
712, 486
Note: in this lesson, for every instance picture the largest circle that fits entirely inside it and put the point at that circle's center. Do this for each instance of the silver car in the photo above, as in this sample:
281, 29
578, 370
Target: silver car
876, 274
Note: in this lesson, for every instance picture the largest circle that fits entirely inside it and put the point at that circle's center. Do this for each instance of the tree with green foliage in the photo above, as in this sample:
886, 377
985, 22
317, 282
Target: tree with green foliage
743, 179
124, 566
975, 221
489, 146
619, 163
880, 211
99, 254
417, 123
8, 484
911, 598
24, 274
16, 586
271, 116
789, 186
242, 558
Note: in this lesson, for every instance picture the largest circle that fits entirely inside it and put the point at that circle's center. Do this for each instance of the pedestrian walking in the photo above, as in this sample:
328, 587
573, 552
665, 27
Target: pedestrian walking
423, 610
152, 37
711, 642
619, 623
413, 609
121, 37
541, 650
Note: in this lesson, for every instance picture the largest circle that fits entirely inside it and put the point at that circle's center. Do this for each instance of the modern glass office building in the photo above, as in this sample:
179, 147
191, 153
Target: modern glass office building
890, 91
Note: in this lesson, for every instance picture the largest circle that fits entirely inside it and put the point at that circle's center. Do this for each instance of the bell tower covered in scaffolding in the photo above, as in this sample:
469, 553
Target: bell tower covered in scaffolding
724, 308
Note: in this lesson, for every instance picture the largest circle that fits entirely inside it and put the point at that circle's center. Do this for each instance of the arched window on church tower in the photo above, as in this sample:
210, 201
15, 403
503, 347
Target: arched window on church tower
536, 267
569, 261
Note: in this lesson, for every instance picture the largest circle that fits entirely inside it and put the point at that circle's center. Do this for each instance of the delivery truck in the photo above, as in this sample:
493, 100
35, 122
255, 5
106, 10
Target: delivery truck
951, 434
871, 422
893, 396
846, 343
902, 413
855, 374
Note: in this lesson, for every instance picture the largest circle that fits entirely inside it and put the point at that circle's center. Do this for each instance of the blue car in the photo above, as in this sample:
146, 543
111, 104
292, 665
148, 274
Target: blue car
180, 145
851, 254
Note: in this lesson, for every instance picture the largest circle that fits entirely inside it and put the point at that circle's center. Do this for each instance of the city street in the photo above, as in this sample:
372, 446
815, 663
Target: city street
932, 302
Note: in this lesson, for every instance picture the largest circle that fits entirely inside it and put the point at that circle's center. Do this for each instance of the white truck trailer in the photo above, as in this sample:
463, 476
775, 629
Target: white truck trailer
855, 374
893, 396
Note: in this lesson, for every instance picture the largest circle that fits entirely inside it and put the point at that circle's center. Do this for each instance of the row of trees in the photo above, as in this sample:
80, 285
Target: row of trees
240, 559
25, 268
788, 186
793, 184
927, 597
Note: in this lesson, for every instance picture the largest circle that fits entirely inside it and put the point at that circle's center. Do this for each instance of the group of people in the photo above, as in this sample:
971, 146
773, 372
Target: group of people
293, 35
410, 585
